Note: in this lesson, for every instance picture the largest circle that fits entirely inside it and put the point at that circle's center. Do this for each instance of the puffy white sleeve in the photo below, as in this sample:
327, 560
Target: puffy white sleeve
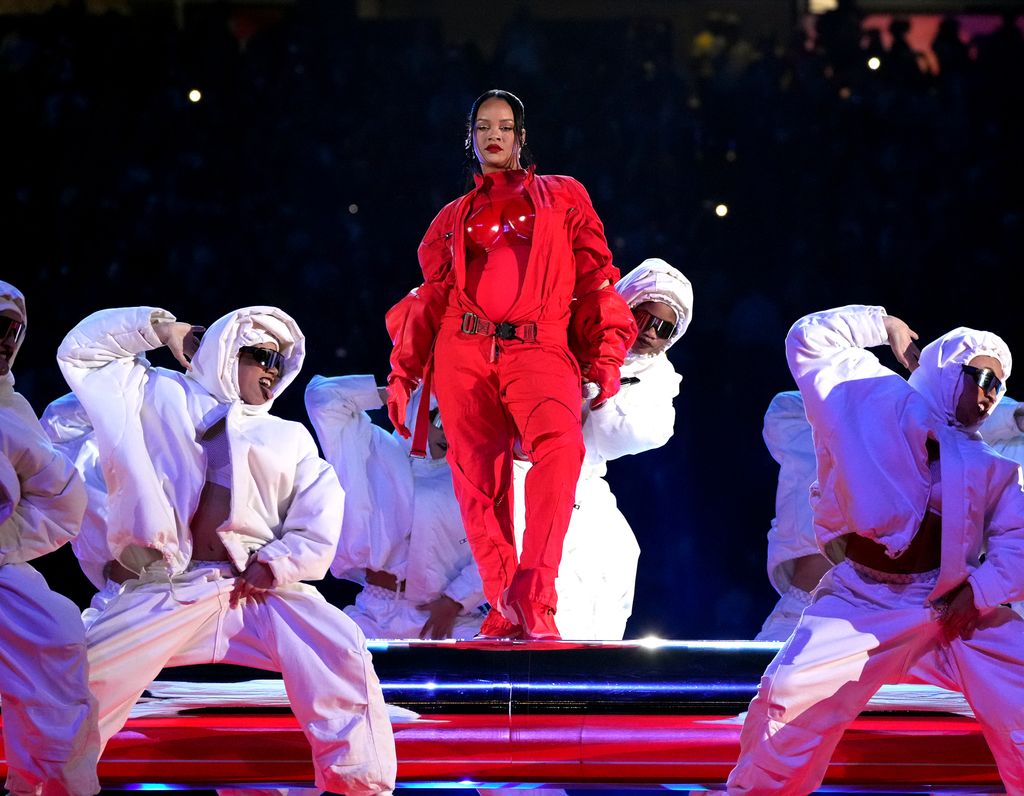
998, 580
466, 588
109, 336
373, 469
640, 417
787, 434
42, 501
103, 363
10, 489
312, 522
827, 348
71, 432
1001, 427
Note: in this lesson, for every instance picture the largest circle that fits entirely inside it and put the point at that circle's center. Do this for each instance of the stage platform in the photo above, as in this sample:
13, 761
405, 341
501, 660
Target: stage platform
483, 714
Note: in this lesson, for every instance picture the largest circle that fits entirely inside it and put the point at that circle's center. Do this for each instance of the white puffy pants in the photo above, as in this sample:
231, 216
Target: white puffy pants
385, 614
859, 633
321, 654
99, 601
597, 574
781, 622
49, 716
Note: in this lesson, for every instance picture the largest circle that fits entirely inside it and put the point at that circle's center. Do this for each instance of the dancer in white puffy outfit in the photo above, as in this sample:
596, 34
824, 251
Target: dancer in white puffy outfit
402, 536
1004, 431
71, 431
597, 575
795, 565
49, 717
909, 494
222, 509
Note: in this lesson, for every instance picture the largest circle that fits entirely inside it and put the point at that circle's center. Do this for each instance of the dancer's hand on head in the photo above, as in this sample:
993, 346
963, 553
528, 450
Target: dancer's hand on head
441, 622
958, 615
191, 343
399, 391
257, 578
173, 335
901, 340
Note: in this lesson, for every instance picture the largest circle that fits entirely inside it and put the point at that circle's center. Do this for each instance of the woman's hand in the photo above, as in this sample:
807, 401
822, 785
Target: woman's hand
441, 622
901, 340
958, 616
399, 391
174, 335
257, 578
605, 378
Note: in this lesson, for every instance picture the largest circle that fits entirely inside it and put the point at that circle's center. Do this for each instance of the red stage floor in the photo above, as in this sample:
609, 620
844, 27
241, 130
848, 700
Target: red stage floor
587, 715
878, 751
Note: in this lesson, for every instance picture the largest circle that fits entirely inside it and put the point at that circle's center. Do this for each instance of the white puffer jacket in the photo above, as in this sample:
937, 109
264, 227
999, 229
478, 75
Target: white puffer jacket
286, 502
41, 496
401, 513
870, 427
69, 428
640, 416
1002, 432
788, 437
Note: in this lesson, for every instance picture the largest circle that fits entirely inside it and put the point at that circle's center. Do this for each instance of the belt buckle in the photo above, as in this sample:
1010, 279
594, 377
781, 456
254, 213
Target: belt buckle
469, 323
505, 331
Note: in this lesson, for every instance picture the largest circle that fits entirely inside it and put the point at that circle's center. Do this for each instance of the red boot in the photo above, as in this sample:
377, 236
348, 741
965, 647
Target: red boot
537, 620
497, 626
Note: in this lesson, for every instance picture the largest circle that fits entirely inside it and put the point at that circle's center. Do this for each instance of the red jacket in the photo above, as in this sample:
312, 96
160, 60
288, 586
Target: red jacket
569, 261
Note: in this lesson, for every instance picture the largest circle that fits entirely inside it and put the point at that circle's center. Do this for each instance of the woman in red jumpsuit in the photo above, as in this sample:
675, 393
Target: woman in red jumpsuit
516, 312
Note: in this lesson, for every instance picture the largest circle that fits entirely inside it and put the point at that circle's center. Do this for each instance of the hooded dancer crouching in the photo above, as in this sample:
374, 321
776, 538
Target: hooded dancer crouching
597, 575
222, 509
49, 717
908, 497
795, 565
402, 537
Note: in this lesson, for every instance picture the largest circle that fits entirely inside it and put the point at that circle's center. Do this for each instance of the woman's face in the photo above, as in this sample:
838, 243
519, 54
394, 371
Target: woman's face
256, 382
648, 341
494, 137
974, 404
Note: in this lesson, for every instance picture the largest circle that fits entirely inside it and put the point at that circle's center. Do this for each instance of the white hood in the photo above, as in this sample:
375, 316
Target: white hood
215, 365
939, 377
656, 280
13, 299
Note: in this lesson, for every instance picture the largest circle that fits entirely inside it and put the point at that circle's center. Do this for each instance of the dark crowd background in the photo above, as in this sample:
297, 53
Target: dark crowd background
325, 142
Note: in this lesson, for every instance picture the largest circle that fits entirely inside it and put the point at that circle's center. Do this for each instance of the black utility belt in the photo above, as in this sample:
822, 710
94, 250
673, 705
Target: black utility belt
474, 324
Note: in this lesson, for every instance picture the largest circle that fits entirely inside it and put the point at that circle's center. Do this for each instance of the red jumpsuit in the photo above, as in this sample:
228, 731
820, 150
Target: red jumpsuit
496, 385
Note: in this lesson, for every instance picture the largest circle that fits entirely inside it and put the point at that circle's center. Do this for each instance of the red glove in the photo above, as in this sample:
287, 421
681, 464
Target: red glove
399, 390
601, 331
604, 375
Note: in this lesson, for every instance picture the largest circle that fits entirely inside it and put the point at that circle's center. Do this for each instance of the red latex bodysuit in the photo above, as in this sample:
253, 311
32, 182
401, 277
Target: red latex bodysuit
518, 249
499, 231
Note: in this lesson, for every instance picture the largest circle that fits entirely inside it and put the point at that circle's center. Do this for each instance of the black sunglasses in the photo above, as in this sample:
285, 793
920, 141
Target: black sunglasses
645, 321
12, 328
266, 358
985, 378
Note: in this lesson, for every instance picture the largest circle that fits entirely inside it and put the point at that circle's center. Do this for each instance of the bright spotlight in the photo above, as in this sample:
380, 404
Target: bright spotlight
874, 62
721, 210
353, 208
195, 95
